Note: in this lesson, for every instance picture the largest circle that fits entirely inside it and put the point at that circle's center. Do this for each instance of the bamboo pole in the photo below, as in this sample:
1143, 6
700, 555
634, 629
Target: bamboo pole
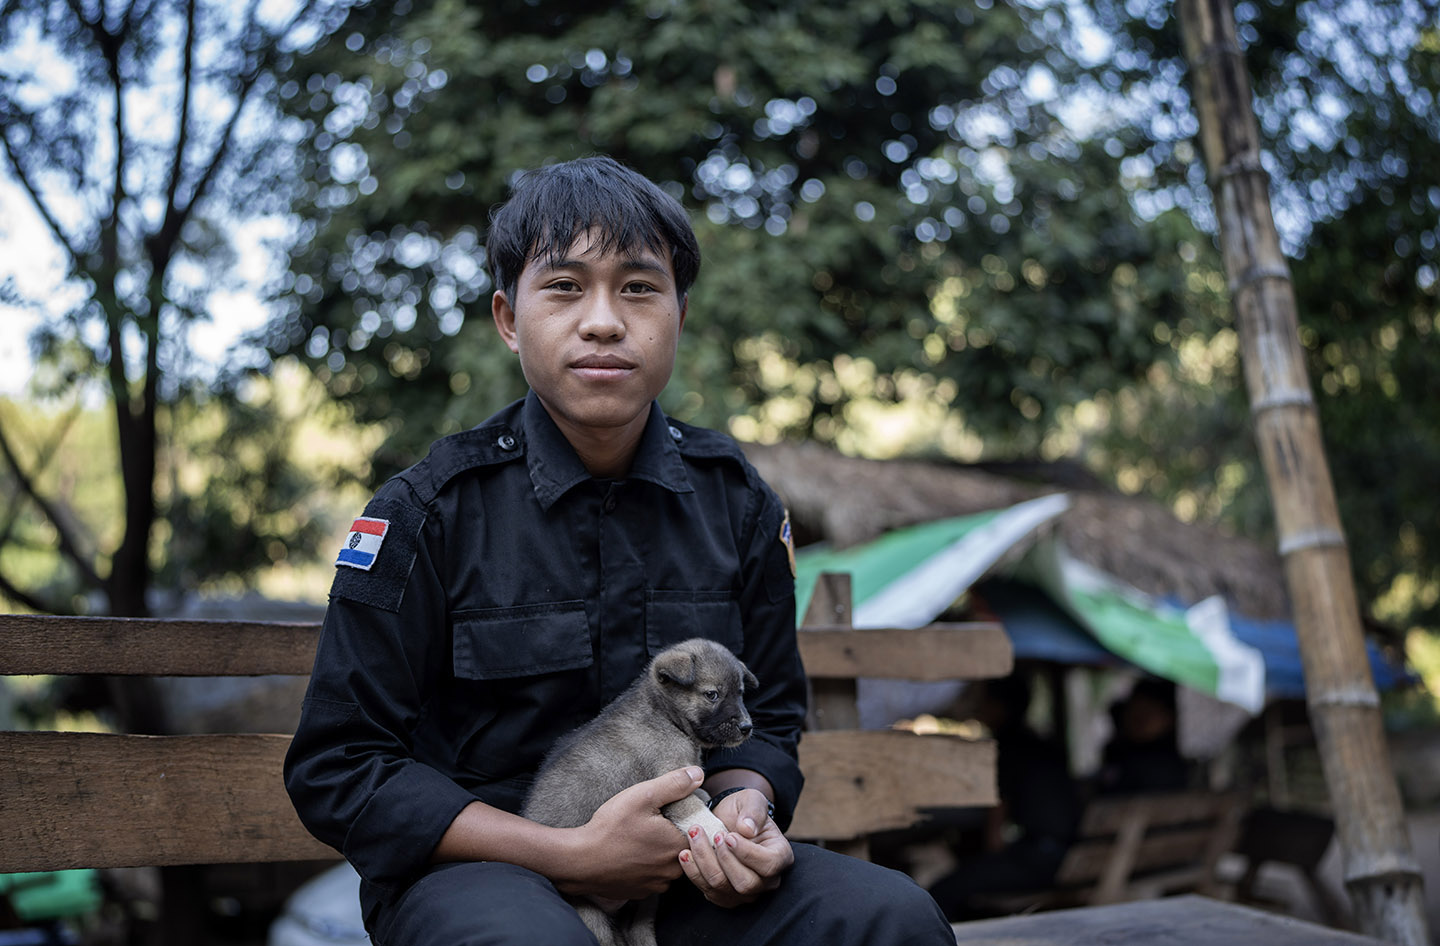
1381, 871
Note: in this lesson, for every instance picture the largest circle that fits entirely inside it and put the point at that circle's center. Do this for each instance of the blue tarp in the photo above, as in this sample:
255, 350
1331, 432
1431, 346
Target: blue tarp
1280, 645
1040, 630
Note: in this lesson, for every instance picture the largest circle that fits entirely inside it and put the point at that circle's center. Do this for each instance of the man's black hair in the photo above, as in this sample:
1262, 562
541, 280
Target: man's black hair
551, 206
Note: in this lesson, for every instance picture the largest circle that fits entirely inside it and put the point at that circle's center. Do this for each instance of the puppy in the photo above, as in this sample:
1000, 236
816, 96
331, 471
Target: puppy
689, 699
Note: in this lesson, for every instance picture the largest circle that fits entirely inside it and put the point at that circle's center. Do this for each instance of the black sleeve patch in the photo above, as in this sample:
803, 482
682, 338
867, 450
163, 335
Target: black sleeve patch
382, 585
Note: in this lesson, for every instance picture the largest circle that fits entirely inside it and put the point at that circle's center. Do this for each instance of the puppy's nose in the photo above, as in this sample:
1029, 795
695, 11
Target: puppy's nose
745, 728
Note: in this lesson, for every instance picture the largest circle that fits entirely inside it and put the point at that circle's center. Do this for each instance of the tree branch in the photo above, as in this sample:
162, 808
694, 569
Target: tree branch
187, 75
75, 8
69, 546
8, 589
46, 454
50, 222
110, 49
246, 81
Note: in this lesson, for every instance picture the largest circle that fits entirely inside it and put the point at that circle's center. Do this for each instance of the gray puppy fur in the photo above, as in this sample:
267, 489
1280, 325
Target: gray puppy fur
689, 699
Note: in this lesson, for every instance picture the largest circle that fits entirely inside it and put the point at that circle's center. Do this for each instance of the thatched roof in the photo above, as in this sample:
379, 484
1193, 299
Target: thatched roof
848, 500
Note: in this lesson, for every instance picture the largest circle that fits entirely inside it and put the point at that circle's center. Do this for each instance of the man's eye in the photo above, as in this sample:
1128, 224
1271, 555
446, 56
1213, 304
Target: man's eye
639, 287
564, 285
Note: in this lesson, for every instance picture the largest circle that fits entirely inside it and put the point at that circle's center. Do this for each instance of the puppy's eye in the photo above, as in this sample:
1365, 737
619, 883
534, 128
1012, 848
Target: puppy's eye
712, 695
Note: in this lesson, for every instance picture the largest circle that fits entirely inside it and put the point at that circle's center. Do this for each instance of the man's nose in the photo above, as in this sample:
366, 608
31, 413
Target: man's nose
602, 319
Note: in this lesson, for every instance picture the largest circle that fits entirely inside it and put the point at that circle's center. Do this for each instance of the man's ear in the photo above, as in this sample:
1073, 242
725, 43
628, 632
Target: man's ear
504, 315
684, 305
677, 668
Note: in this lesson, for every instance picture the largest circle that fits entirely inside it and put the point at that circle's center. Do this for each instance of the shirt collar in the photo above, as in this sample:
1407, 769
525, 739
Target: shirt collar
555, 468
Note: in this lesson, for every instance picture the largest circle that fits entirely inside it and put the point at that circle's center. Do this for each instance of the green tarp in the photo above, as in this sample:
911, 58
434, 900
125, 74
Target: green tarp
908, 577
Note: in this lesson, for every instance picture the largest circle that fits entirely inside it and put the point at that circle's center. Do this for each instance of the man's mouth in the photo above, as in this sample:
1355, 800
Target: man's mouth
602, 367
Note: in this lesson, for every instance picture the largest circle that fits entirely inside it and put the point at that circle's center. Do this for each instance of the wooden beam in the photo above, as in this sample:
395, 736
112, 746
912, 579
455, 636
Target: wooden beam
104, 800
971, 651
859, 782
834, 702
31, 644
1161, 809
1381, 870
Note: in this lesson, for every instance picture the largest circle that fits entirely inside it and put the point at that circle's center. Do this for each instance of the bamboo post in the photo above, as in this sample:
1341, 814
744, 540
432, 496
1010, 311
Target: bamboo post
1381, 871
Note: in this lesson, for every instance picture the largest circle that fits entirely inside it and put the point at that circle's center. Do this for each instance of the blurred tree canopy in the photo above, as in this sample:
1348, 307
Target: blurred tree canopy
142, 133
1346, 96
889, 203
988, 212
973, 228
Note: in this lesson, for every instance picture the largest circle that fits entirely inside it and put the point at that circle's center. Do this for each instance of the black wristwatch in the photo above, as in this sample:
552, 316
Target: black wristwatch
715, 800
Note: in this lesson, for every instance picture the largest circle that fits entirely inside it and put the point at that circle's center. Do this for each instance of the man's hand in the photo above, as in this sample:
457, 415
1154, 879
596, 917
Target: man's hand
628, 849
750, 859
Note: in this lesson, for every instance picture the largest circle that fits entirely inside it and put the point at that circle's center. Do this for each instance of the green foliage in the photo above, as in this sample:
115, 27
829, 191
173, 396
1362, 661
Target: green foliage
845, 165
249, 488
143, 134
73, 459
259, 482
1345, 99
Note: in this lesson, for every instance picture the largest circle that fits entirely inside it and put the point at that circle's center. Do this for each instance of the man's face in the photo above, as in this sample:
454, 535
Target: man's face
596, 334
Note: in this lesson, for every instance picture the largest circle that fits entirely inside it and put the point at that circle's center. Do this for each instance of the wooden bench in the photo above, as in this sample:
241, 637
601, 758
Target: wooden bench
859, 783
1135, 847
74, 799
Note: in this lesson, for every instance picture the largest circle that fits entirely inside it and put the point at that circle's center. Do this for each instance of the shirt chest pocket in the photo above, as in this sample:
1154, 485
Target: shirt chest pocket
501, 643
675, 616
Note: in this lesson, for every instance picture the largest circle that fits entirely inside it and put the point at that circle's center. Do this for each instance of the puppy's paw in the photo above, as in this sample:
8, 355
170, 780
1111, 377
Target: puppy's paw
703, 822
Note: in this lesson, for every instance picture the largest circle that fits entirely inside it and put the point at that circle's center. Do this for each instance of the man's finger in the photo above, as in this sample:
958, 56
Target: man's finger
754, 857
739, 875
670, 787
706, 859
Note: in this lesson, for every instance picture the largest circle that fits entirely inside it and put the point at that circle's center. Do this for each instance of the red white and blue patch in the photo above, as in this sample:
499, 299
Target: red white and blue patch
363, 545
787, 538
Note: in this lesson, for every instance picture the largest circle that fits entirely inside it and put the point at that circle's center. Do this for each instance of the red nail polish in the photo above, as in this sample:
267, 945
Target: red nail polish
695, 831
685, 857
718, 839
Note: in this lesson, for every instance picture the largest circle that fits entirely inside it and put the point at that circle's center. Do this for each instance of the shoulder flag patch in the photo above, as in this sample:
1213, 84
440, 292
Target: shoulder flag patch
363, 545
787, 538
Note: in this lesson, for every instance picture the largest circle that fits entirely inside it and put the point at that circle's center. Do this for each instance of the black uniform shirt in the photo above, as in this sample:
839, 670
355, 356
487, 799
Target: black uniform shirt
512, 596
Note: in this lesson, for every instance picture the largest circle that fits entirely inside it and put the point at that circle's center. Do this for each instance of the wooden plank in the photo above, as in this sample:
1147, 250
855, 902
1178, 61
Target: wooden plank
1088, 861
1105, 816
860, 782
175, 647
972, 651
104, 800
834, 702
1119, 861
31, 644
1175, 921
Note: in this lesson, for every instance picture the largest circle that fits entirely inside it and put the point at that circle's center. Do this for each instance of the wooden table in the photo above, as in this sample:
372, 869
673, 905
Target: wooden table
1172, 921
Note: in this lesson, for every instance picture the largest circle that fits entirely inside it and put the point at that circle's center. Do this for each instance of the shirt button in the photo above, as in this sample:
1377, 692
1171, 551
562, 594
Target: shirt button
506, 442
675, 434
610, 503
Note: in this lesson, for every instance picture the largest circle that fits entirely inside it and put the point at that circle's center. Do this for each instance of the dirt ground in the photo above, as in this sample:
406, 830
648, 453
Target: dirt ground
1288, 890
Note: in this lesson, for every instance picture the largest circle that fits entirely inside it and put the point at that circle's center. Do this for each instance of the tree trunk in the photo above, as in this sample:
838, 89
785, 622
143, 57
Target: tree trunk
1381, 872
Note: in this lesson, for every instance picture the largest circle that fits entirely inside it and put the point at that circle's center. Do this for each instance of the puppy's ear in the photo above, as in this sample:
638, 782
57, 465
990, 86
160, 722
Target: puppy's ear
750, 682
677, 668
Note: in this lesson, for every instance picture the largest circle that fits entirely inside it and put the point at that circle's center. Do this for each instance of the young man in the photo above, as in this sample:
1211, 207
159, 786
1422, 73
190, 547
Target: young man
503, 590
